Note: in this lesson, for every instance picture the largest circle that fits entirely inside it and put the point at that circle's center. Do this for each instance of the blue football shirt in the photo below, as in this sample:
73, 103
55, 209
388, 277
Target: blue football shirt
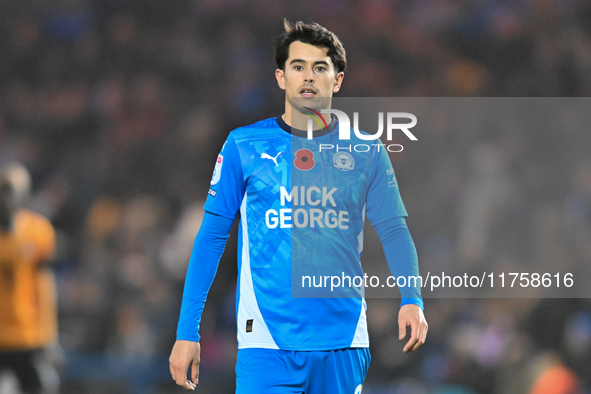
302, 208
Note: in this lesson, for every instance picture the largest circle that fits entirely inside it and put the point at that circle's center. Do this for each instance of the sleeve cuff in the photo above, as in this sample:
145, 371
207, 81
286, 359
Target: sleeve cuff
415, 301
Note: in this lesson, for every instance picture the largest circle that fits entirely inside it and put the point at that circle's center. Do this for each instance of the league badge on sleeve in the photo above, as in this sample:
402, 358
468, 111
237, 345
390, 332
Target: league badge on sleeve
217, 171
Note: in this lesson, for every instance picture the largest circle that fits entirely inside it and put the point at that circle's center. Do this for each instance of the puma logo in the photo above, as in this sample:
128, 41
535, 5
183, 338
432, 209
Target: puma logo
266, 156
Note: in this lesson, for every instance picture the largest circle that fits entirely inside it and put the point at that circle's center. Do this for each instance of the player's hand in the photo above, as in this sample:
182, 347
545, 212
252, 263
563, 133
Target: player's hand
412, 315
185, 354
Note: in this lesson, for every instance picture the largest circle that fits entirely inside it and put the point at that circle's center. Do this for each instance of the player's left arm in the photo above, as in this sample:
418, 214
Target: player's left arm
386, 212
401, 255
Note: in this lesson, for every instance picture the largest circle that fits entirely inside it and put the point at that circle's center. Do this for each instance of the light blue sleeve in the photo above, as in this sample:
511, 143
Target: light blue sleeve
227, 184
386, 212
207, 250
401, 255
383, 196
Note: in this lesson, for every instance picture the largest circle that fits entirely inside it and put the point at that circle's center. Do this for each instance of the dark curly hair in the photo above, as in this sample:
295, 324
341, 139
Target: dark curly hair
313, 34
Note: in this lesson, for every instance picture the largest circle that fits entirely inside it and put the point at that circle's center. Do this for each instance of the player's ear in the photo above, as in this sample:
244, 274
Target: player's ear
338, 81
280, 76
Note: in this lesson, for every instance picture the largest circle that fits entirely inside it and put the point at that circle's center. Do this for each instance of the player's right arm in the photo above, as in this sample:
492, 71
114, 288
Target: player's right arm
222, 205
207, 252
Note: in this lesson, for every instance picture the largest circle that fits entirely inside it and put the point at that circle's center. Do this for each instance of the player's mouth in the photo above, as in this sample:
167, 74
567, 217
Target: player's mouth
308, 92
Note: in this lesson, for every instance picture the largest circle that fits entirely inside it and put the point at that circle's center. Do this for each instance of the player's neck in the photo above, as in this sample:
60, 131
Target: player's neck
298, 120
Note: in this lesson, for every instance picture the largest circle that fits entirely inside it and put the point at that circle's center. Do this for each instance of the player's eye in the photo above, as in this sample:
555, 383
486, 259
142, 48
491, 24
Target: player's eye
298, 68
321, 68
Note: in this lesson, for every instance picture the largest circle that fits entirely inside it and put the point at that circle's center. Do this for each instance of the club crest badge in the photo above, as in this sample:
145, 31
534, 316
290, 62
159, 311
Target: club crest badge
343, 161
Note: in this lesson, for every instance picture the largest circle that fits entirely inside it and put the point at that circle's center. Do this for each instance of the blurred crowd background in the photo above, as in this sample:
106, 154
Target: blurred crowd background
119, 108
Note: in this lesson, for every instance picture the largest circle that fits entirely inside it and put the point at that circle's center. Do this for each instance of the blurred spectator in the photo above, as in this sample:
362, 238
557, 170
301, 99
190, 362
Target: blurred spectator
28, 310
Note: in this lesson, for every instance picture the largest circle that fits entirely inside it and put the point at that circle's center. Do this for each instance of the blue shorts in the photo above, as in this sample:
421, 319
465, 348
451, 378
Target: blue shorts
269, 371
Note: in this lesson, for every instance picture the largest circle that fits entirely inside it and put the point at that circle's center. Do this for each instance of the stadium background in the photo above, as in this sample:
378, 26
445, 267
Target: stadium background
119, 107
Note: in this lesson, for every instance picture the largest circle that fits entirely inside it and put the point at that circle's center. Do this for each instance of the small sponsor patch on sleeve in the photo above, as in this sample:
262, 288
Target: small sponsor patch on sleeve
249, 325
391, 178
212, 192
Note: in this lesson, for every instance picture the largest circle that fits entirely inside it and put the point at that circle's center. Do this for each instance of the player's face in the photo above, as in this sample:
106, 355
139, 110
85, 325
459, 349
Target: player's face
309, 75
